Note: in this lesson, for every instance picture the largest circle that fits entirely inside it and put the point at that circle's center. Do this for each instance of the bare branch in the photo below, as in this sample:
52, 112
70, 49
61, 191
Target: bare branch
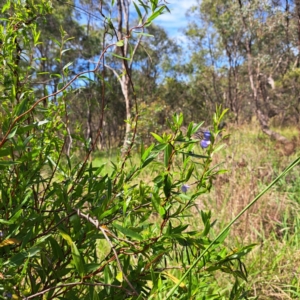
73, 284
115, 73
95, 222
4, 139
135, 49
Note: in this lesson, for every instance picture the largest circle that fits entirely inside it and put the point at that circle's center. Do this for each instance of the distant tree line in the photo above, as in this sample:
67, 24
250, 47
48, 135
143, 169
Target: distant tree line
241, 54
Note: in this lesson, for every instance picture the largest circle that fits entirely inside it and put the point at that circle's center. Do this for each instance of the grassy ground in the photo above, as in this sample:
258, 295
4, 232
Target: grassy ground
253, 161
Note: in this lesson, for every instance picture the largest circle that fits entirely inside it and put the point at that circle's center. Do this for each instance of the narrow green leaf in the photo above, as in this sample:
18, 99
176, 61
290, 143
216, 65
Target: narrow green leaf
144, 34
109, 188
138, 11
42, 239
84, 77
25, 128
180, 120
128, 232
224, 232
189, 173
155, 15
13, 219
4, 152
8, 163
65, 50
119, 277
67, 66
109, 212
56, 42
120, 43
95, 295
167, 155
121, 57
24, 269
220, 239
146, 152
193, 154
19, 258
66, 237
60, 85
157, 137
146, 7
56, 249
92, 267
16, 260
167, 185
6, 6
21, 108
78, 261
155, 199
196, 127
219, 148
147, 161
32, 252
189, 130
53, 163
12, 133
206, 228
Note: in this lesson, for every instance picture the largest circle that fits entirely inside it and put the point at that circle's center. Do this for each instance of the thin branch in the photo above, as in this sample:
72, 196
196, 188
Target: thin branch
73, 284
118, 261
53, 173
135, 49
97, 225
115, 73
53, 227
4, 139
84, 11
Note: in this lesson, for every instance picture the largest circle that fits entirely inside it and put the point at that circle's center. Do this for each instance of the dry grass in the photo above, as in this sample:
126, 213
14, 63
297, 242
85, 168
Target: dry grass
253, 161
273, 223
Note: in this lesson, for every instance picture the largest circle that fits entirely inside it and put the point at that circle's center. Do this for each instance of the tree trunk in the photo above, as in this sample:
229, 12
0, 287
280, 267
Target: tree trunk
297, 4
125, 91
254, 84
125, 80
123, 13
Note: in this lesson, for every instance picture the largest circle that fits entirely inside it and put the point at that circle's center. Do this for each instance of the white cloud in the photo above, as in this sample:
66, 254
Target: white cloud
175, 21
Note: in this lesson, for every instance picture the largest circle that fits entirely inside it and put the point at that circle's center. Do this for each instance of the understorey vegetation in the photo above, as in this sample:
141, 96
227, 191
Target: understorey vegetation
93, 207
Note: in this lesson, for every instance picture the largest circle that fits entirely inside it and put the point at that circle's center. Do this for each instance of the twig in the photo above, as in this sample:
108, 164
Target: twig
97, 225
53, 227
73, 284
4, 139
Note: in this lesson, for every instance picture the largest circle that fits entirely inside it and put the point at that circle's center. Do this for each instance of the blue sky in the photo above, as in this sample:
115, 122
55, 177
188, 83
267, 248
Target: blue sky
175, 21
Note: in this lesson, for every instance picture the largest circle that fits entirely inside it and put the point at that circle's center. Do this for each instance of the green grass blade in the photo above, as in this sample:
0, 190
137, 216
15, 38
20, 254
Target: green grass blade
287, 170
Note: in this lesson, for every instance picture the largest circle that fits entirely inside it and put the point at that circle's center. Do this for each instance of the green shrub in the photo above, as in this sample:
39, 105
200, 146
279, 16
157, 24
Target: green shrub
70, 230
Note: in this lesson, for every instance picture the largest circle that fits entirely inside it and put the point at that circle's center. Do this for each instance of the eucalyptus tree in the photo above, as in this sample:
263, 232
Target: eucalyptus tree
74, 231
255, 41
123, 66
154, 62
206, 69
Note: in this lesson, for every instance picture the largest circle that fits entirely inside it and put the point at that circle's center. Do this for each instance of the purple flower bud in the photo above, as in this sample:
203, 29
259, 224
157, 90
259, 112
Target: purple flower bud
204, 143
185, 188
206, 135
7, 295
